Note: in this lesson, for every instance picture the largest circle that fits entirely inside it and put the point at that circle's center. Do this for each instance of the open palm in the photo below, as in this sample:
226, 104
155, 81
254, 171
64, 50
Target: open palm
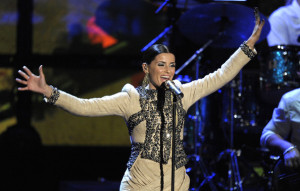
32, 82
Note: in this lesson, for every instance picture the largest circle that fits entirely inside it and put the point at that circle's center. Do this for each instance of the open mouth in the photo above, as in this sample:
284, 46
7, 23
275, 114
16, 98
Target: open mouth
164, 78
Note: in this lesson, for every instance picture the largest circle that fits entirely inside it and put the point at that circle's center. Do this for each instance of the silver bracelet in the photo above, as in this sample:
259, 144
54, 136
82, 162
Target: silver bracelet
53, 97
247, 50
289, 149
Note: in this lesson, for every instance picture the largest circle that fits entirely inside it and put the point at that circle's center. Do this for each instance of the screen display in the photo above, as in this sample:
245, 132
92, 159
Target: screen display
84, 27
94, 26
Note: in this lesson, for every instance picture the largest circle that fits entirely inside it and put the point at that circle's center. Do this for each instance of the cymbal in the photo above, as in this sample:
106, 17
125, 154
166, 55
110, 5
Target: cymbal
234, 21
180, 4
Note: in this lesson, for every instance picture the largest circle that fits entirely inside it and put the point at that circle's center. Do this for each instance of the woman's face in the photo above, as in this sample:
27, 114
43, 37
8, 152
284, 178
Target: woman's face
161, 69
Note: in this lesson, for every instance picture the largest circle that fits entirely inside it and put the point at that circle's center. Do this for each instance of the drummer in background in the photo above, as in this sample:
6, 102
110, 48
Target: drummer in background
285, 25
282, 133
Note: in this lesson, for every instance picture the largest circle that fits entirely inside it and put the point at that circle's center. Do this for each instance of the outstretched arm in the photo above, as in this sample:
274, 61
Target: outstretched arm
33, 82
197, 89
108, 105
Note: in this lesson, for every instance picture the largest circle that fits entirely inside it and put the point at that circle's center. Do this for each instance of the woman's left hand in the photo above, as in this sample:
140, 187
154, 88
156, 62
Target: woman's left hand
257, 29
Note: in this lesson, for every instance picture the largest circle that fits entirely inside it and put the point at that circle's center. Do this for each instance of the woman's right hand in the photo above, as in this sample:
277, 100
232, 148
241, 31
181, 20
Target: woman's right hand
33, 82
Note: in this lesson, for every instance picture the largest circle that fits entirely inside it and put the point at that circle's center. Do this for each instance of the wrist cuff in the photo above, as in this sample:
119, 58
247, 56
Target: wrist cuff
247, 50
53, 97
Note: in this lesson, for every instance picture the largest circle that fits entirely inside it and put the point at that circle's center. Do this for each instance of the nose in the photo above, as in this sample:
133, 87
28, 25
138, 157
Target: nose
167, 69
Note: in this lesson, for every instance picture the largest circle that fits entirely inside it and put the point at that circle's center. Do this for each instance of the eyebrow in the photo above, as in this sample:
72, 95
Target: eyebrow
165, 62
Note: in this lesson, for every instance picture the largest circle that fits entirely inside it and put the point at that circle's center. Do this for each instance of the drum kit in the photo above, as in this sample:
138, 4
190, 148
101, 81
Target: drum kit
225, 25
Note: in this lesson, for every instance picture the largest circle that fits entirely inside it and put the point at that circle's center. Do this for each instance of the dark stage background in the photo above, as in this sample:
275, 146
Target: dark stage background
91, 48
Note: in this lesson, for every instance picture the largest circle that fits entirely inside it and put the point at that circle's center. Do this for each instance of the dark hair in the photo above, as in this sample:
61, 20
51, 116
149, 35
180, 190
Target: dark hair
150, 54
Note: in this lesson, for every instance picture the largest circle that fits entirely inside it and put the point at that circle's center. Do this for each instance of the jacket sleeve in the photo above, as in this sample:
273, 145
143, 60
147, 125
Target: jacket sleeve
115, 104
197, 89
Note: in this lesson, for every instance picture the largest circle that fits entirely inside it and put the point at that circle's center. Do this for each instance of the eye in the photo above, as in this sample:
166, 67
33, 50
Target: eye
161, 64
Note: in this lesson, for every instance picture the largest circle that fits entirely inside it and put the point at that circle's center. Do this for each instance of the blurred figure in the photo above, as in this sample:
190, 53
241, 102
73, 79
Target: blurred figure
283, 130
282, 134
285, 25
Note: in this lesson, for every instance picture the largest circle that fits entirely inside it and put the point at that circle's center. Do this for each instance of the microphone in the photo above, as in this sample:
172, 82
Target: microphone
171, 86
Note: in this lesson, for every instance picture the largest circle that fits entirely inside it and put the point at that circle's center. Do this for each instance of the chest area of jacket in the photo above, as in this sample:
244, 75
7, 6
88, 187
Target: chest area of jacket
156, 112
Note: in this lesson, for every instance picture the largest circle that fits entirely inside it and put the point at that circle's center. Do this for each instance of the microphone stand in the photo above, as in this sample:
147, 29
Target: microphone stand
162, 6
234, 177
196, 54
167, 30
162, 34
197, 132
174, 2
173, 142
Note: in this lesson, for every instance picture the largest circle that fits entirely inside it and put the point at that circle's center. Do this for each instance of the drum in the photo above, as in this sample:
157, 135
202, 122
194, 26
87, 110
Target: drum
280, 72
282, 67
